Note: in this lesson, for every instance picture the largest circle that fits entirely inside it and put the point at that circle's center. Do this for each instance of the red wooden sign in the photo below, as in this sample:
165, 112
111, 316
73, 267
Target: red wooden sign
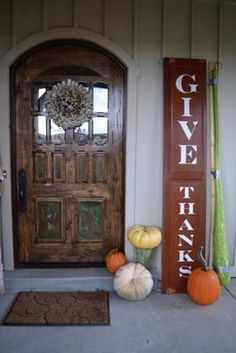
184, 170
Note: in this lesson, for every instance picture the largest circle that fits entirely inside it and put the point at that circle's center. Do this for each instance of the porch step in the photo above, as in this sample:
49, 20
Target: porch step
57, 279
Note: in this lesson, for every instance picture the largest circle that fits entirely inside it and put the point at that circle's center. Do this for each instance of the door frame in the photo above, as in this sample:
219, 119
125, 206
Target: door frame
13, 132
133, 71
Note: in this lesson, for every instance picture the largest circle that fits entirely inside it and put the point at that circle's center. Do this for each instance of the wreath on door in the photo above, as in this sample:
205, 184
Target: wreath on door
69, 104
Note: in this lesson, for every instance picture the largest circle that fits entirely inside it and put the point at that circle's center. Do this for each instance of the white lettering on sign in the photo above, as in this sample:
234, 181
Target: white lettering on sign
179, 84
184, 256
185, 238
186, 106
186, 128
188, 154
185, 271
186, 190
186, 225
188, 151
186, 207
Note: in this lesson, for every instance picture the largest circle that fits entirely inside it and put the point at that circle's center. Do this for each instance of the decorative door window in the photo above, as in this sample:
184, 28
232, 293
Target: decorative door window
95, 131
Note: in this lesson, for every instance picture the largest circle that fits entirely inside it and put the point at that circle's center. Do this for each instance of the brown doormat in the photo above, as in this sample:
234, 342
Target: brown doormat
59, 308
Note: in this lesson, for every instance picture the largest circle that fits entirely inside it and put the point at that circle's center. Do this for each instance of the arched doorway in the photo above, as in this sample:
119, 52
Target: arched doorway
68, 185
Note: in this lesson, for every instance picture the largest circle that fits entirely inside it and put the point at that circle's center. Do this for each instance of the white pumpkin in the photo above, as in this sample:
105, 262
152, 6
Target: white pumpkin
133, 281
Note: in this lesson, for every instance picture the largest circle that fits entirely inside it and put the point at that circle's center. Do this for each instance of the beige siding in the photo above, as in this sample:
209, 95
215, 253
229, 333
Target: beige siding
185, 28
89, 15
205, 29
149, 117
147, 31
176, 28
58, 13
120, 22
27, 18
5, 26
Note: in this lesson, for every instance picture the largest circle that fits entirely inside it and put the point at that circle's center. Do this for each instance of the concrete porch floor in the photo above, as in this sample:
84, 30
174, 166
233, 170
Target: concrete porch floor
158, 324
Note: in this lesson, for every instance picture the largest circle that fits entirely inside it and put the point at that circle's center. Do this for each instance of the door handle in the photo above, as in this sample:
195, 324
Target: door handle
22, 179
3, 175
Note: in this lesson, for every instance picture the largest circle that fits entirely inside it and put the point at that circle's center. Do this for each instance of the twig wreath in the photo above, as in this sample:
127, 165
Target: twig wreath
69, 104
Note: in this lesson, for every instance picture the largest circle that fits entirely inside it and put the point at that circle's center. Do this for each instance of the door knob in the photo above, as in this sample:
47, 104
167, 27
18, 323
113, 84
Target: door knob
22, 190
3, 175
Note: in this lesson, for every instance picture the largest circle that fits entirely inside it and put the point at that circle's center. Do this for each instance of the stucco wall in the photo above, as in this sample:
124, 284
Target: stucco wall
141, 33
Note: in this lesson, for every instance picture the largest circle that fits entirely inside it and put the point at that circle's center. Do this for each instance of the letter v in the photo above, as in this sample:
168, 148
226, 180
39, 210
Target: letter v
186, 129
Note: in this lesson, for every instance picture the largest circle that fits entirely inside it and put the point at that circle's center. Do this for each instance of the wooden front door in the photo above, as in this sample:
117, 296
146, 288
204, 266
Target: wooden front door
68, 184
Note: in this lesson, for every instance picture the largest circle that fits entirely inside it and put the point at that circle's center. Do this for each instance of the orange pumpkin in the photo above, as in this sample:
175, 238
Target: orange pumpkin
114, 259
203, 285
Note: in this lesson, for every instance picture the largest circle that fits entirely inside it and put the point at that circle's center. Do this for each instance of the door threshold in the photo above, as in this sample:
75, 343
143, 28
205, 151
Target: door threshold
59, 265
57, 279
